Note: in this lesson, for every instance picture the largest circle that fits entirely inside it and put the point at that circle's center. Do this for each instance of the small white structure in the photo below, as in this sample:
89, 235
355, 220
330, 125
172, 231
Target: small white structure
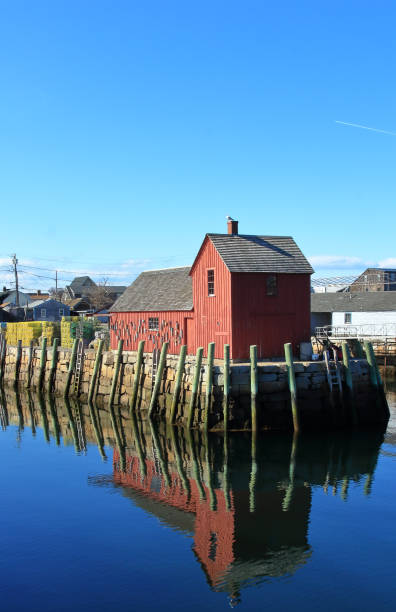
360, 314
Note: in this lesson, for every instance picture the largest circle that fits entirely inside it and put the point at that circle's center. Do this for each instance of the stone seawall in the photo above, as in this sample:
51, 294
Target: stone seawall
317, 405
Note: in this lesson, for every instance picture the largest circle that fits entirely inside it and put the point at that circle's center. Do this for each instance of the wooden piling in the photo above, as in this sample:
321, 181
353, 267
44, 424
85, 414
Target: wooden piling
70, 371
226, 384
347, 367
291, 377
349, 380
253, 385
53, 364
30, 365
18, 362
158, 378
116, 372
178, 381
195, 385
138, 367
95, 371
359, 350
376, 379
370, 360
43, 359
209, 383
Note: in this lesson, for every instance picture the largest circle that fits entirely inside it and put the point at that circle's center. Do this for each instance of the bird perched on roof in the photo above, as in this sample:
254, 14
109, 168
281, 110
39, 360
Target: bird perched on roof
229, 218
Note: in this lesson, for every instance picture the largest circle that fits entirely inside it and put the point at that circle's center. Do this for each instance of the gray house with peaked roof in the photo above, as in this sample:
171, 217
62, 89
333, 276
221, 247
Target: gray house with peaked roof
241, 290
78, 288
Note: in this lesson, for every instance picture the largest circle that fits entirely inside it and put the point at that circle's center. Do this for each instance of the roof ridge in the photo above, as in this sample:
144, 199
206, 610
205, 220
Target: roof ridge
250, 235
163, 269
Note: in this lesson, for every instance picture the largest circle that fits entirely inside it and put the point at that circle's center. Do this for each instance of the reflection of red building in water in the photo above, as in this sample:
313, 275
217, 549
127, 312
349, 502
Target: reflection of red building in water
233, 545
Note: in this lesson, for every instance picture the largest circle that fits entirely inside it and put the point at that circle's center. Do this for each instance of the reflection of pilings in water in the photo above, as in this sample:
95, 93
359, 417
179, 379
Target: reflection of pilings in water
72, 423
292, 472
135, 431
195, 467
159, 454
253, 473
98, 433
3, 410
209, 474
335, 473
54, 419
31, 412
21, 422
179, 463
226, 483
368, 483
82, 443
329, 468
44, 420
121, 426
344, 488
370, 474
120, 446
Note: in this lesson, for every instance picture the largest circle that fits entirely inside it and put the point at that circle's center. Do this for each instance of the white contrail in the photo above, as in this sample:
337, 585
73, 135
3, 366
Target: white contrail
364, 127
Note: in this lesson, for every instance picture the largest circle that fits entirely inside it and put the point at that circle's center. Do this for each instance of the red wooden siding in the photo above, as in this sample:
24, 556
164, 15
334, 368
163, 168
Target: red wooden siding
269, 321
212, 314
133, 327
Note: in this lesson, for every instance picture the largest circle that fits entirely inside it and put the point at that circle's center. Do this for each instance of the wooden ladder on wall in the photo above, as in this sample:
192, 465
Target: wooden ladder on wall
154, 369
78, 366
333, 370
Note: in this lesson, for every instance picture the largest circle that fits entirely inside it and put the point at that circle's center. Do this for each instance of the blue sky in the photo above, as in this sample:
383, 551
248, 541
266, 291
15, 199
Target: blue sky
130, 129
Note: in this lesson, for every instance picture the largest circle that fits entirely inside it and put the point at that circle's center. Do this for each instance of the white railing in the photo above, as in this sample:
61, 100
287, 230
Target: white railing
367, 331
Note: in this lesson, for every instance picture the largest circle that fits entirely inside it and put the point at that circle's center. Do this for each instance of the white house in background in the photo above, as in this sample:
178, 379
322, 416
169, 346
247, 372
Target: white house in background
9, 298
355, 309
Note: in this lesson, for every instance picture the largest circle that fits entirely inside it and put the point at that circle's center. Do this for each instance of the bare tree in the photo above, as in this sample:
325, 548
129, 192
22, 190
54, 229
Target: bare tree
56, 294
99, 296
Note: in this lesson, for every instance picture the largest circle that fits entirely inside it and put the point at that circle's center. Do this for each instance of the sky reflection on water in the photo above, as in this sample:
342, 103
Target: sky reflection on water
101, 511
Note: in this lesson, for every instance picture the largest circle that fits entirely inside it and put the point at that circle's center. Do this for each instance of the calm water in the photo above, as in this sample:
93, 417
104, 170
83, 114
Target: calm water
99, 512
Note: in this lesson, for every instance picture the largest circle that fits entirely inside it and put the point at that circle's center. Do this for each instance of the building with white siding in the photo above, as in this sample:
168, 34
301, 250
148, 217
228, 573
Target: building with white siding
354, 309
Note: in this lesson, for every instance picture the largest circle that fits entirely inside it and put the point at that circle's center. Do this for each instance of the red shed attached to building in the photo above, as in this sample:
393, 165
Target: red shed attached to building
240, 290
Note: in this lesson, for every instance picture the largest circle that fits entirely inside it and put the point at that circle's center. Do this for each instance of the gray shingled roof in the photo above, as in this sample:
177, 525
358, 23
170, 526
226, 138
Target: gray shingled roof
244, 253
375, 301
82, 283
168, 289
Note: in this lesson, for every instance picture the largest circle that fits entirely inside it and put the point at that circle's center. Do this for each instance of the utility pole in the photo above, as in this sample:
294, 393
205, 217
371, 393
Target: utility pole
56, 284
14, 262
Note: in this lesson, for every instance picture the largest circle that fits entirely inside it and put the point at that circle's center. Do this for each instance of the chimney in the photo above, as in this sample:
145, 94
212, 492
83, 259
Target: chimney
232, 226
38, 291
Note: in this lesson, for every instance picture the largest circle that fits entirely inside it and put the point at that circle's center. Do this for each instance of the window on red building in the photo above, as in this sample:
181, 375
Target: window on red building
153, 323
272, 285
211, 285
